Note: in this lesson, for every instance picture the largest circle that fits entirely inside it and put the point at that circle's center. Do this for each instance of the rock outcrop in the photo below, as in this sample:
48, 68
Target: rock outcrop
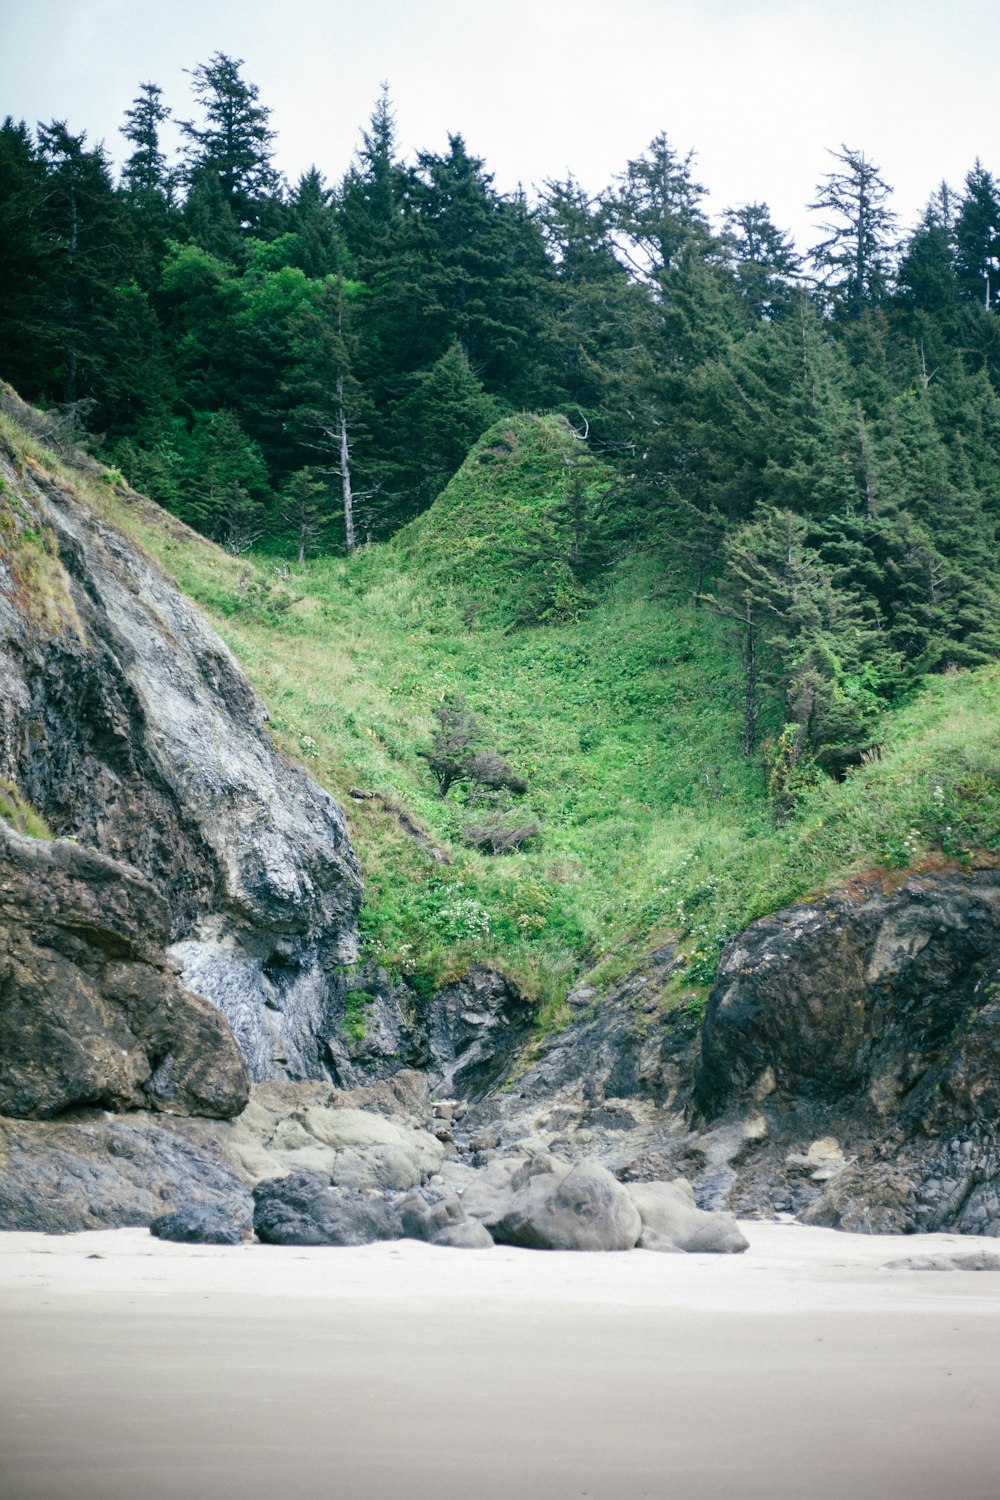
862, 1036
125, 720
88, 1170
466, 1037
90, 1010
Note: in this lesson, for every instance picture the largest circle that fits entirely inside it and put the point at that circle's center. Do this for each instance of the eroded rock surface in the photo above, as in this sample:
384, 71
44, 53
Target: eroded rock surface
863, 1037
91, 1012
125, 720
466, 1037
110, 1172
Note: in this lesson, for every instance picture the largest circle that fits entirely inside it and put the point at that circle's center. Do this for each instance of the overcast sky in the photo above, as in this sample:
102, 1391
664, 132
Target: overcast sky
759, 88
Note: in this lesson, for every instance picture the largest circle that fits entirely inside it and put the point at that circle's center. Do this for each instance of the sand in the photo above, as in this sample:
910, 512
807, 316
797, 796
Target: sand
799, 1371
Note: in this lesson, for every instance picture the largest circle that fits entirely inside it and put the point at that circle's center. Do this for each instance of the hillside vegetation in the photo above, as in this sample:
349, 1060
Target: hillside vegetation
620, 712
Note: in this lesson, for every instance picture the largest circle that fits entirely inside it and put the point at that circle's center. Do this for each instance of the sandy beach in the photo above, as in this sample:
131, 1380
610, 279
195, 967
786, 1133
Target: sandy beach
798, 1371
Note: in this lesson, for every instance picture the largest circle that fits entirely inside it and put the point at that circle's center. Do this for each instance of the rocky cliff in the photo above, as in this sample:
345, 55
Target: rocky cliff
125, 721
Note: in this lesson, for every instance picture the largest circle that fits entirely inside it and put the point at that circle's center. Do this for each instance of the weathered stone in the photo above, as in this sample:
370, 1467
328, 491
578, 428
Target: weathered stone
303, 1209
977, 1260
582, 1208
90, 1010
441, 1219
875, 1019
851, 999
668, 1212
96, 1172
466, 1036
201, 1224
127, 723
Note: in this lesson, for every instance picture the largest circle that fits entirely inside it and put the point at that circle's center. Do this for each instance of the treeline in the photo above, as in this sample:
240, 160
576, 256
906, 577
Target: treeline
812, 440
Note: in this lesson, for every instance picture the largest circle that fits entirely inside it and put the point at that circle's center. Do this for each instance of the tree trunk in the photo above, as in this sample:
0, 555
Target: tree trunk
750, 691
345, 467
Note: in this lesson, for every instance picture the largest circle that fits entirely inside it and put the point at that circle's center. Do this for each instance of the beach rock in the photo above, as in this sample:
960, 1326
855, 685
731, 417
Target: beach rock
580, 1208
304, 1209
977, 1260
203, 1224
477, 1027
91, 1011
669, 1214
289, 1127
126, 722
110, 1172
440, 1219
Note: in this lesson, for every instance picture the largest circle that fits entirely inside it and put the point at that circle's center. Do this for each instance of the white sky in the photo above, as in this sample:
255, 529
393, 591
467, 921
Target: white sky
759, 88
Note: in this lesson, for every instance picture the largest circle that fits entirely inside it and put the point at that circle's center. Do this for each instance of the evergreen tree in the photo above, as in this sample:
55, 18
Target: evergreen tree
763, 260
26, 304
329, 406
146, 178
314, 241
80, 221
372, 192
977, 238
233, 147
444, 413
600, 319
854, 261
655, 211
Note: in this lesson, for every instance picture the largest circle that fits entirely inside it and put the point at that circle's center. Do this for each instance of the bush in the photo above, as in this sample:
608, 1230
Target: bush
500, 832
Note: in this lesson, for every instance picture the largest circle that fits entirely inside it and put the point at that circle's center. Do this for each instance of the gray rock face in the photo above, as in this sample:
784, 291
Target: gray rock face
857, 1000
126, 721
874, 1023
61, 1176
580, 1208
90, 1010
466, 1037
303, 1209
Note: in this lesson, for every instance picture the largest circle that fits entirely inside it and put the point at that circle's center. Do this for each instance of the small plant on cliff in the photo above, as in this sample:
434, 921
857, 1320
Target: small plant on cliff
19, 813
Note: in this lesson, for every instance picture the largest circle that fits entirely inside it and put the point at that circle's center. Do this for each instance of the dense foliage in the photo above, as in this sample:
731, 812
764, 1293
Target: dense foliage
809, 444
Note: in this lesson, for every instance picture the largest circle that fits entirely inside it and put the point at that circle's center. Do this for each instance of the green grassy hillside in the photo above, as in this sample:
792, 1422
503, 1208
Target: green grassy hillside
622, 717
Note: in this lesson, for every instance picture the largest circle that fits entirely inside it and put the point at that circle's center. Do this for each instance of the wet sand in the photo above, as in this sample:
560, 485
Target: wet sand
799, 1371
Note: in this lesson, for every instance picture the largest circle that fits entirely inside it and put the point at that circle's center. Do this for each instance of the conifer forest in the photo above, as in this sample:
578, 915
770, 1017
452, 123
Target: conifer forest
805, 439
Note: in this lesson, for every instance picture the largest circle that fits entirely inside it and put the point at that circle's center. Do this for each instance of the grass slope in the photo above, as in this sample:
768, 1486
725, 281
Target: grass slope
624, 721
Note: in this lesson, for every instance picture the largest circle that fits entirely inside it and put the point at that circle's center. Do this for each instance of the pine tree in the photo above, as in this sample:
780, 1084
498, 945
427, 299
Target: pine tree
977, 238
655, 211
80, 220
146, 178
233, 147
26, 311
854, 261
372, 193
444, 413
763, 260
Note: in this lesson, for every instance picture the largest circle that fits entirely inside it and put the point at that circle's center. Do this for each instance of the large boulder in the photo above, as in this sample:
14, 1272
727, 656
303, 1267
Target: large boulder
125, 720
671, 1220
203, 1224
440, 1219
295, 1127
570, 1208
856, 1000
91, 1012
304, 1209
